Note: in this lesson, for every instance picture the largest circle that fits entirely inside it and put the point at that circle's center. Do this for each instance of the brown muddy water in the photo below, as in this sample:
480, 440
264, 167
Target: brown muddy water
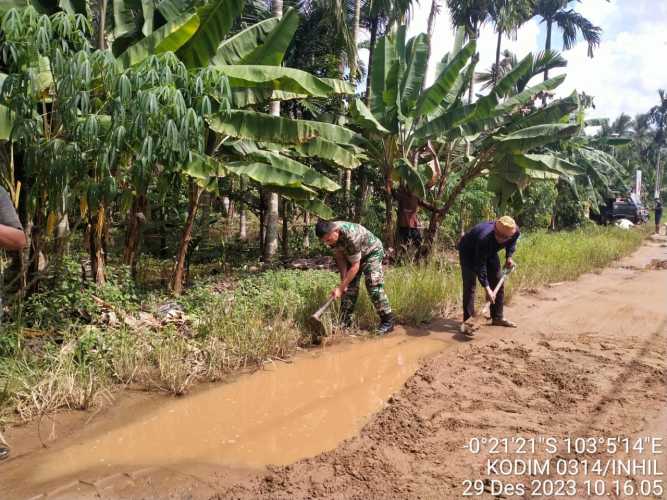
275, 416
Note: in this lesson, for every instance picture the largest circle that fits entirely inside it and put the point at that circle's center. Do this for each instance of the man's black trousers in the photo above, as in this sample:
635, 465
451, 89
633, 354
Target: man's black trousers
493, 273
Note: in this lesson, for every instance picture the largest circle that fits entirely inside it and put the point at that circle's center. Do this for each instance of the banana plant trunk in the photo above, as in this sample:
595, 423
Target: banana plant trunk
193, 203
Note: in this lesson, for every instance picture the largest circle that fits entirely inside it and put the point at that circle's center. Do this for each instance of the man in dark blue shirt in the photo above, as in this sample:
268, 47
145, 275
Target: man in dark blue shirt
478, 254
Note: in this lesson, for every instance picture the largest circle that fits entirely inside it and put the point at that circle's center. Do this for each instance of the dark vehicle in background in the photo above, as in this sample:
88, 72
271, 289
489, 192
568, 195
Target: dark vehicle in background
623, 207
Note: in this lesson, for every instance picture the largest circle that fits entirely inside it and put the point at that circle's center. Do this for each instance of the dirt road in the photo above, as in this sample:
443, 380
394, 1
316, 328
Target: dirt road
588, 361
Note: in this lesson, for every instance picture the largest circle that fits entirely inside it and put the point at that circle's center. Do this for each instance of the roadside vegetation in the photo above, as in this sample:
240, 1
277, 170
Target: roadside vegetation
168, 160
220, 328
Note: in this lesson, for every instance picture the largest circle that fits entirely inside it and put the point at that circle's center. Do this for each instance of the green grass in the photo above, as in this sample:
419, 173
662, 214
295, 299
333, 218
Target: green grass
259, 317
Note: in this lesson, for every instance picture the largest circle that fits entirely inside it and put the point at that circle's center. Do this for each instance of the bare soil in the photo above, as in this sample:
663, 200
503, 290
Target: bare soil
588, 360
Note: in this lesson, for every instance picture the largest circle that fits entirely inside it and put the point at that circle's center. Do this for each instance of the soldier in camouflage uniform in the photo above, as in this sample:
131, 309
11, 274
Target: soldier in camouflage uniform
357, 251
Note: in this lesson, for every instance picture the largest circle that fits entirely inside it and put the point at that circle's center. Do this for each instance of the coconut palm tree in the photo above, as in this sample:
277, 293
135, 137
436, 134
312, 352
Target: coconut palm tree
571, 23
541, 61
508, 16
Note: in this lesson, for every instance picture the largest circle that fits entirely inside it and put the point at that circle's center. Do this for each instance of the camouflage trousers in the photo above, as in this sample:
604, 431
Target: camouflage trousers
371, 268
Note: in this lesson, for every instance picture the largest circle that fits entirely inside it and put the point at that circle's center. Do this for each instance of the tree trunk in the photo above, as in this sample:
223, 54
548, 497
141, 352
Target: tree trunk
286, 217
36, 250
356, 30
389, 211
356, 22
432, 232
473, 36
547, 47
306, 230
435, 7
362, 192
61, 243
262, 219
163, 233
658, 177
374, 34
135, 220
243, 223
101, 40
177, 280
496, 71
271, 236
271, 228
96, 222
206, 200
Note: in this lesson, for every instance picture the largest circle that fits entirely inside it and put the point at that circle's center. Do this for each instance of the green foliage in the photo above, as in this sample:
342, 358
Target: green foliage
260, 317
66, 299
537, 206
570, 210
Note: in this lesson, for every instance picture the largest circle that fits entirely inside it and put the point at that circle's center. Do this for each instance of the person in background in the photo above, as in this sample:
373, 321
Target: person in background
408, 225
658, 215
409, 228
12, 238
478, 255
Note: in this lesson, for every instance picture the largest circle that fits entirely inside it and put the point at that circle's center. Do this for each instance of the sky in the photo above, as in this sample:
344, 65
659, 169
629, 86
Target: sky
627, 69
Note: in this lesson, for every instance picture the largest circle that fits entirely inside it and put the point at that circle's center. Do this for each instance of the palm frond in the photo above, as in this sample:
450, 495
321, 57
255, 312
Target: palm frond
572, 23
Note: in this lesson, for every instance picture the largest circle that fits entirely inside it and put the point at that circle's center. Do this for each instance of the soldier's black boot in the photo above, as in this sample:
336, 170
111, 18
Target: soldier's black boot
386, 324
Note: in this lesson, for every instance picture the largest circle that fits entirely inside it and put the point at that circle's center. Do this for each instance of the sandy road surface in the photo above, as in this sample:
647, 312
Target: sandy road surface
588, 360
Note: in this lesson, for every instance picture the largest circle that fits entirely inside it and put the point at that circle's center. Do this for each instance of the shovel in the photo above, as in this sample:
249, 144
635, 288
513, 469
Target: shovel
505, 274
315, 322
469, 326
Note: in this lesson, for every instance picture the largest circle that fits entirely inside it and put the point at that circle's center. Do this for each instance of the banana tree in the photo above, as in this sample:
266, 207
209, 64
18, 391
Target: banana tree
409, 130
269, 148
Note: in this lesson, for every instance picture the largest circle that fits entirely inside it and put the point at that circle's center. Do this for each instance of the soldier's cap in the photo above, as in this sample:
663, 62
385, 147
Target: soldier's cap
506, 224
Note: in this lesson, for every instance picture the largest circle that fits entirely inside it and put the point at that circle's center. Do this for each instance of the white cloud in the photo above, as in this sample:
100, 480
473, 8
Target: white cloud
625, 73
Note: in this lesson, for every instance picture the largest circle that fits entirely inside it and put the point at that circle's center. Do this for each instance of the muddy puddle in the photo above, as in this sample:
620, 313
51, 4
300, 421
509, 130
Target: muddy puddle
275, 416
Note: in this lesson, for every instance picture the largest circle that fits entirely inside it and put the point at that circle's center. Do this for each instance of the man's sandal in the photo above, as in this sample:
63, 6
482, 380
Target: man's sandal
503, 322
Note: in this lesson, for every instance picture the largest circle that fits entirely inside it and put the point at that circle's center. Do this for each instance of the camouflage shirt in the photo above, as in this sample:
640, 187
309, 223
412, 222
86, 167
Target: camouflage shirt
355, 241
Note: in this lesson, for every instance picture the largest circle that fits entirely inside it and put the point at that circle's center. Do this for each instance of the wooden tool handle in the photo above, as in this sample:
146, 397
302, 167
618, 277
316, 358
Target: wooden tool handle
324, 307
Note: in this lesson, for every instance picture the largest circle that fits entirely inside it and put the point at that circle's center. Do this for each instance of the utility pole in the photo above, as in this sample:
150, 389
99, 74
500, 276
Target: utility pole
658, 175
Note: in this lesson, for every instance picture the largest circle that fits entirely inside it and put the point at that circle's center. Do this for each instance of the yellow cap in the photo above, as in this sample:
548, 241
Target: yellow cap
506, 223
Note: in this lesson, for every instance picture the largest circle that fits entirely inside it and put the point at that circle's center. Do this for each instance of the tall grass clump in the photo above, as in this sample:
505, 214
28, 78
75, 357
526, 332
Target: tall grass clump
545, 257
